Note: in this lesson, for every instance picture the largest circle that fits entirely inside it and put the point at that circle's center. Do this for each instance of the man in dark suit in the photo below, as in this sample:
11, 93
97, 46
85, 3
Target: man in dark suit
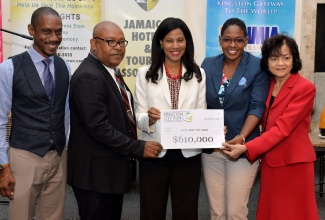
103, 133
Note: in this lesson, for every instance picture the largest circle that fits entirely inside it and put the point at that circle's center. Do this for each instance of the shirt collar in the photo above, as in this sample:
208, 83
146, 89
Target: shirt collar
37, 57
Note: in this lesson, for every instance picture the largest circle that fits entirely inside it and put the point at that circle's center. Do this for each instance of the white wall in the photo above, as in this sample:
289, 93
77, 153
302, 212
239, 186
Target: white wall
6, 43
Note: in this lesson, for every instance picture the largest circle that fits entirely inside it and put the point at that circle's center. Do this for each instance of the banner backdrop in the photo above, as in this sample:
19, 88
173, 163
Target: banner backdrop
139, 19
78, 17
263, 19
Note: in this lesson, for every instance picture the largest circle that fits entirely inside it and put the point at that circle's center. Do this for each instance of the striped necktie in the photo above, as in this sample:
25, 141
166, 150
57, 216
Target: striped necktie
121, 85
48, 79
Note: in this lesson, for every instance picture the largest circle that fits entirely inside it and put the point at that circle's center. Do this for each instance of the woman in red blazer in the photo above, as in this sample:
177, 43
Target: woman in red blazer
286, 152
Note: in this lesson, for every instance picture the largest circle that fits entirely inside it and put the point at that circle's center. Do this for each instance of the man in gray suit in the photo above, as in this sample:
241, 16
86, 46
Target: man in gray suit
34, 87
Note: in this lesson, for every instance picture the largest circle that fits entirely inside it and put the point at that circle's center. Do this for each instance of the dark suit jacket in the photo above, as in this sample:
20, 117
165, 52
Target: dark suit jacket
100, 138
245, 95
286, 140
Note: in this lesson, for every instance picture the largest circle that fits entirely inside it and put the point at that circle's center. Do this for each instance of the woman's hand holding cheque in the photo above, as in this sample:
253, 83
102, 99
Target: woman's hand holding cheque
234, 151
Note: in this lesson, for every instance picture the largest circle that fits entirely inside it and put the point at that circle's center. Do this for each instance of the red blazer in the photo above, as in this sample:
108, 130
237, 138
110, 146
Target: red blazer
286, 140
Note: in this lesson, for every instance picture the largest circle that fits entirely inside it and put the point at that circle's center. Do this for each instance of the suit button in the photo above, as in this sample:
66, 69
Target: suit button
51, 141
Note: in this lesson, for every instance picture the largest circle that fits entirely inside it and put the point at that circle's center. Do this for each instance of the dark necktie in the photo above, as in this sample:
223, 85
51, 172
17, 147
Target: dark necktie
126, 102
48, 79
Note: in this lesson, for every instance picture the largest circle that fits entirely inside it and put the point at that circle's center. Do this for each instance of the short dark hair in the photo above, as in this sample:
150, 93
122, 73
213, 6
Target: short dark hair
40, 12
158, 55
272, 47
234, 21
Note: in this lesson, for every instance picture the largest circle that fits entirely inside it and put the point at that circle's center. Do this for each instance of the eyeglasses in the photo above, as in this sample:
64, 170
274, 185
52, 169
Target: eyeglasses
228, 40
114, 43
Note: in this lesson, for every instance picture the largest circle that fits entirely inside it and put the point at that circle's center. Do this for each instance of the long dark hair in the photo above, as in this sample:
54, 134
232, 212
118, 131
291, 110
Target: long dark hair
158, 55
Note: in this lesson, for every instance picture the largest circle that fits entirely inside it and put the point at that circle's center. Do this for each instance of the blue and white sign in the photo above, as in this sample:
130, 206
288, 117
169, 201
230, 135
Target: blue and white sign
263, 19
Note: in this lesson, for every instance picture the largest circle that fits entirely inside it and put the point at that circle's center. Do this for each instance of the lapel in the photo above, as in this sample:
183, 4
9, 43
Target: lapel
216, 70
105, 73
163, 84
285, 89
240, 71
267, 103
110, 80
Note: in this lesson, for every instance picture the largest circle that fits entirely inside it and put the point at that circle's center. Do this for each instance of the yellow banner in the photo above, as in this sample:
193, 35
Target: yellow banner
78, 17
139, 20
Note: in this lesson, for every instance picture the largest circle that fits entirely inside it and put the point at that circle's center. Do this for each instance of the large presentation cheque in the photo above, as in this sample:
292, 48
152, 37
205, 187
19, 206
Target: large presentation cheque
192, 128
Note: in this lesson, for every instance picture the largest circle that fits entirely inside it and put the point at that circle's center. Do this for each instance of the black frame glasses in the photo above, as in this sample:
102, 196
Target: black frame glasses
228, 40
114, 43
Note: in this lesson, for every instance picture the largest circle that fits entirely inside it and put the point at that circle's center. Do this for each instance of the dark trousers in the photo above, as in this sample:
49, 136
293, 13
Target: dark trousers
98, 206
180, 175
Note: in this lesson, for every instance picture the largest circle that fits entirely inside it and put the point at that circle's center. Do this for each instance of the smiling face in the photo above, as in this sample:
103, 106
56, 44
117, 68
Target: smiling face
47, 34
108, 55
233, 42
174, 45
280, 64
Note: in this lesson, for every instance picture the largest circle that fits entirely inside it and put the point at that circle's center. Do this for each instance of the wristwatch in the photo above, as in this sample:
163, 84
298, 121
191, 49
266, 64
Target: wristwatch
2, 166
